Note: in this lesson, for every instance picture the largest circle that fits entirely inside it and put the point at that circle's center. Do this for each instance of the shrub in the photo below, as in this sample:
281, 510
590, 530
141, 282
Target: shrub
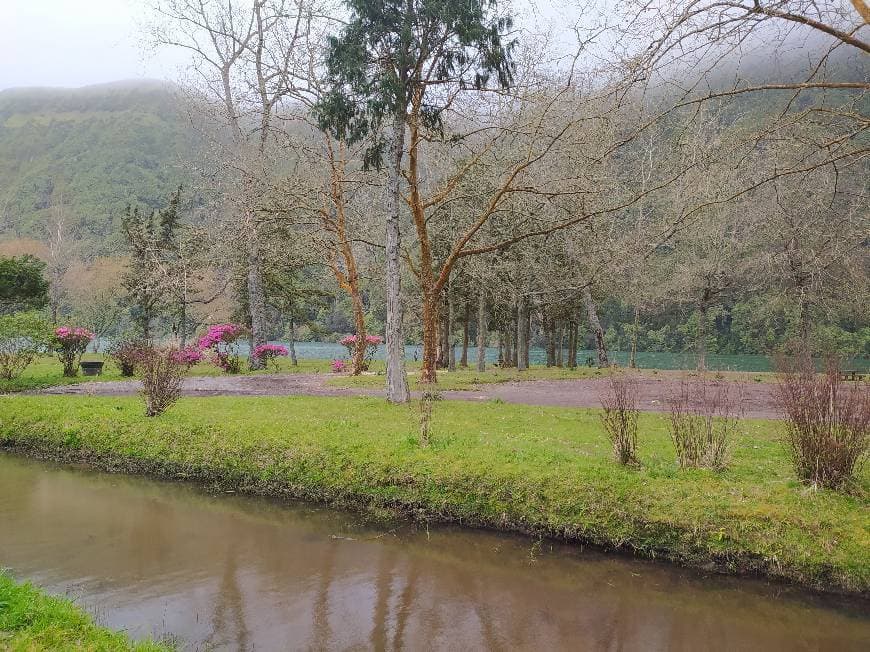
71, 343
23, 336
270, 353
222, 340
23, 286
126, 354
338, 366
827, 421
162, 371
703, 419
620, 417
372, 344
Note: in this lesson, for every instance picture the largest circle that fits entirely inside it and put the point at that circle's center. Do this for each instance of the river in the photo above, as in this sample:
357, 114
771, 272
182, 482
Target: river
232, 572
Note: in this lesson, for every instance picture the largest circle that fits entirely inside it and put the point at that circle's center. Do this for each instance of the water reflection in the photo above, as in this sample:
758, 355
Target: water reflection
236, 573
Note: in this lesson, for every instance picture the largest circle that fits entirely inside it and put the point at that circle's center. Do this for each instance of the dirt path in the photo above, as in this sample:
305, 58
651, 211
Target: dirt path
758, 400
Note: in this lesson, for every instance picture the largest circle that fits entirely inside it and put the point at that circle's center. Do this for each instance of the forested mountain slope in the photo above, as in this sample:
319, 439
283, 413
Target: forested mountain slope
86, 153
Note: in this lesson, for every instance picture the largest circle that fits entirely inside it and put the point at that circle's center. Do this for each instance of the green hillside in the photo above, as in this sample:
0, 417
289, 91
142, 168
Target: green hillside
92, 150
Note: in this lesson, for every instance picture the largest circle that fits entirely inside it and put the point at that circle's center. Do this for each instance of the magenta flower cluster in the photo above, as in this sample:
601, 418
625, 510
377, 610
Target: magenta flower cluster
73, 335
221, 339
338, 366
349, 341
71, 344
221, 334
188, 356
269, 351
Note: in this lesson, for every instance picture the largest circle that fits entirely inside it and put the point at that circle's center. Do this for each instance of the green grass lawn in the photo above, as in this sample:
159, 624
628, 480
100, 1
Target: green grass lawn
524, 468
31, 621
47, 372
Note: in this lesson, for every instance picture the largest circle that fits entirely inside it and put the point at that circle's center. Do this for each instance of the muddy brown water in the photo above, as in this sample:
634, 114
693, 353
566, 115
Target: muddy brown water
240, 573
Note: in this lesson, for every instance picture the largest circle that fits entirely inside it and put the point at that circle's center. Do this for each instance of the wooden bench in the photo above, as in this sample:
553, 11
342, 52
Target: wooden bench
851, 374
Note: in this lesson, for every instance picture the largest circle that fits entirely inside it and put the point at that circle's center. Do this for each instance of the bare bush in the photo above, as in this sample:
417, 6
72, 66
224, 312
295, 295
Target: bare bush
162, 371
827, 421
427, 400
703, 420
620, 417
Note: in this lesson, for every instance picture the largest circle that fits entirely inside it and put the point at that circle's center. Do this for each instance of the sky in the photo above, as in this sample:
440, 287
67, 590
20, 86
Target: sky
76, 43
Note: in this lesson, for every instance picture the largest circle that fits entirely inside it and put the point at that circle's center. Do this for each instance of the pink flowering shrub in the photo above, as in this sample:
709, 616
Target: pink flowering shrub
222, 340
270, 352
70, 343
221, 334
338, 366
188, 356
372, 344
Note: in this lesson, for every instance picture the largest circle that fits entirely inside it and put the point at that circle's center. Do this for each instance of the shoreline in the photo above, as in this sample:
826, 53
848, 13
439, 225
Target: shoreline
33, 619
466, 495
749, 566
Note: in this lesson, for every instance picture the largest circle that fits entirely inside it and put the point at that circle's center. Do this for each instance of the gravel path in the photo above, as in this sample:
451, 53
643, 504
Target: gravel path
757, 399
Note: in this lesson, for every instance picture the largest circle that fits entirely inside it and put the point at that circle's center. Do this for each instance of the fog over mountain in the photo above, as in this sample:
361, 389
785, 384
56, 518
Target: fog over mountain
88, 152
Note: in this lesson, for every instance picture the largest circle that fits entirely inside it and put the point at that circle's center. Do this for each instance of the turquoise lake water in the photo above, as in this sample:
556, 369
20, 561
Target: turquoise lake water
645, 360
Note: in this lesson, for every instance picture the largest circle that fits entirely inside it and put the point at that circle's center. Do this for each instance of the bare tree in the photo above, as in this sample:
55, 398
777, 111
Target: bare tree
243, 56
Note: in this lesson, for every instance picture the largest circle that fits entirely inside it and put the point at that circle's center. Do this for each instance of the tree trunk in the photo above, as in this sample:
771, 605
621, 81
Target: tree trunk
597, 331
293, 359
451, 350
804, 326
528, 338
463, 361
522, 334
632, 359
181, 326
359, 323
432, 333
501, 349
560, 337
572, 344
443, 333
481, 333
256, 298
397, 381
701, 343
550, 340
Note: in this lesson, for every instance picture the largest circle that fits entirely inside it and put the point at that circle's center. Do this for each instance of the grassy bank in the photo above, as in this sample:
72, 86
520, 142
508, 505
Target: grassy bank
536, 470
32, 621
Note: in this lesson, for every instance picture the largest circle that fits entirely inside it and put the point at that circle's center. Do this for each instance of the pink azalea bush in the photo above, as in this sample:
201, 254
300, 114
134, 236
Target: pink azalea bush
188, 356
222, 340
372, 344
70, 343
338, 366
221, 334
270, 352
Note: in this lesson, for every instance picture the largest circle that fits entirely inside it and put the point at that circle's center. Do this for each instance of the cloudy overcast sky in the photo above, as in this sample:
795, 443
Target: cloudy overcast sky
80, 42
73, 43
